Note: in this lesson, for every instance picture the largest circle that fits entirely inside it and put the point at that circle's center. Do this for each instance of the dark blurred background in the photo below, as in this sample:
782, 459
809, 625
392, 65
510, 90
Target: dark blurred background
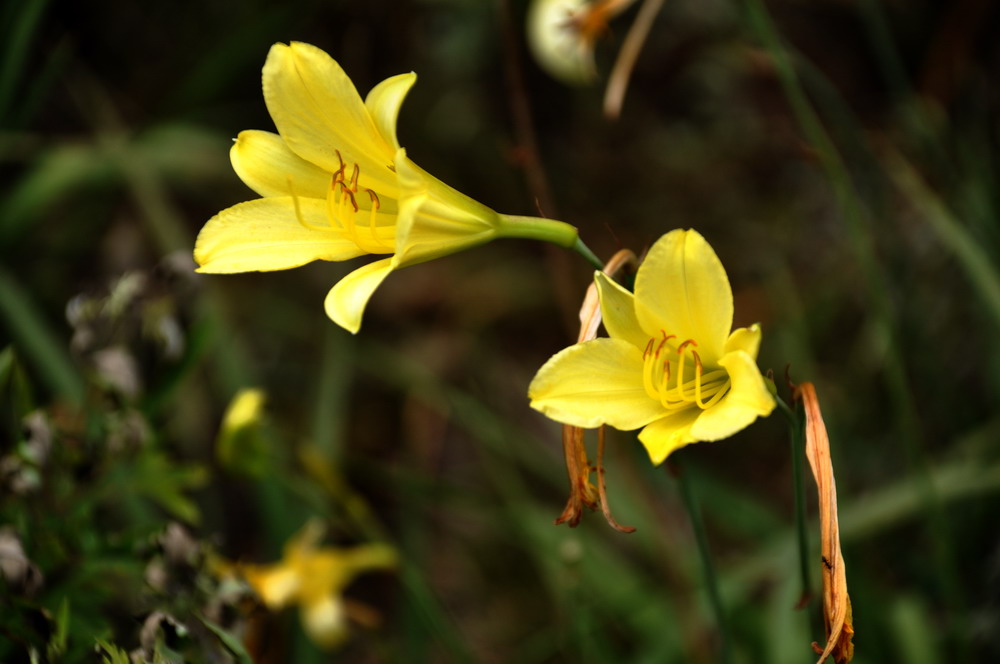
850, 191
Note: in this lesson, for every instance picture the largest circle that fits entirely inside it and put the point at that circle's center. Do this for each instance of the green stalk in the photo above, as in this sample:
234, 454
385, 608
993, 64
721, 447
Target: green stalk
708, 570
797, 441
589, 255
547, 230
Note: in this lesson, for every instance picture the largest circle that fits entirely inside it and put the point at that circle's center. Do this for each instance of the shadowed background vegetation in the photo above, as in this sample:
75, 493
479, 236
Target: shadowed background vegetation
842, 159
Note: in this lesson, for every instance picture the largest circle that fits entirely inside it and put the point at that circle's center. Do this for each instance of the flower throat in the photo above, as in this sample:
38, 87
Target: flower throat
682, 383
342, 209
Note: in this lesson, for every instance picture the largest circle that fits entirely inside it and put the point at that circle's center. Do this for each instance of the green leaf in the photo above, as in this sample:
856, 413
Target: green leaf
113, 654
154, 476
232, 644
36, 339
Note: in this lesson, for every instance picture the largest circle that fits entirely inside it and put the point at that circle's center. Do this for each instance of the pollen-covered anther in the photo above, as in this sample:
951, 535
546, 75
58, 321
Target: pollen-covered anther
349, 195
666, 338
338, 176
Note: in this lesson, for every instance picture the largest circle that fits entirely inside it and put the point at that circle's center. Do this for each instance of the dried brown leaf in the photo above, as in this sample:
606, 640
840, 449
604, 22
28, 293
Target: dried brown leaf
836, 602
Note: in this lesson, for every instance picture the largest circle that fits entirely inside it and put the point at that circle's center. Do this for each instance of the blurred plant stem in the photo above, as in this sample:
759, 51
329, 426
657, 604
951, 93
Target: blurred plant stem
907, 414
588, 255
970, 254
705, 554
796, 435
526, 154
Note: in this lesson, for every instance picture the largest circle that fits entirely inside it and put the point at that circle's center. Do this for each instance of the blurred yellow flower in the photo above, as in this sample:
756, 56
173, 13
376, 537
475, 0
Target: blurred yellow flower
671, 364
314, 579
336, 185
239, 445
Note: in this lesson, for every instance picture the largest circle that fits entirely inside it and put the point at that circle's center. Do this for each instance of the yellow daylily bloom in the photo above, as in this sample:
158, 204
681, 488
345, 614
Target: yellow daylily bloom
670, 364
314, 578
335, 185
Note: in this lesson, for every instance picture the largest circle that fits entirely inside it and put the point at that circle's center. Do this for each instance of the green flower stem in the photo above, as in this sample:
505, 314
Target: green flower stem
796, 432
708, 570
547, 230
589, 255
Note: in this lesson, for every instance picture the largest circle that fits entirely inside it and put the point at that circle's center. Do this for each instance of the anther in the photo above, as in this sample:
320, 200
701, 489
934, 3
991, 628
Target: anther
374, 198
649, 348
350, 195
338, 175
665, 338
689, 342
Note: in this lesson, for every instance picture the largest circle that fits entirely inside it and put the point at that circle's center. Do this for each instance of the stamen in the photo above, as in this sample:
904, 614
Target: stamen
666, 384
663, 390
338, 175
647, 377
372, 217
680, 373
721, 392
689, 342
298, 209
350, 196
345, 216
665, 338
697, 379
680, 370
354, 178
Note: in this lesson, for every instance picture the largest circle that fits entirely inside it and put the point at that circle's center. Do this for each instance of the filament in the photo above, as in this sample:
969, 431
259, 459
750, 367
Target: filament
298, 210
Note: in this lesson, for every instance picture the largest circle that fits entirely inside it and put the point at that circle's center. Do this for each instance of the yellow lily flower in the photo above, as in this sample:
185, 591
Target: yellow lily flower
671, 364
336, 185
314, 579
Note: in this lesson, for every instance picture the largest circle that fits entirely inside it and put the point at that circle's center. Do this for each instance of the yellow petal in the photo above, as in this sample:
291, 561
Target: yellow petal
345, 303
618, 312
682, 288
325, 621
434, 219
384, 101
318, 112
263, 161
748, 398
594, 383
746, 339
265, 234
669, 433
